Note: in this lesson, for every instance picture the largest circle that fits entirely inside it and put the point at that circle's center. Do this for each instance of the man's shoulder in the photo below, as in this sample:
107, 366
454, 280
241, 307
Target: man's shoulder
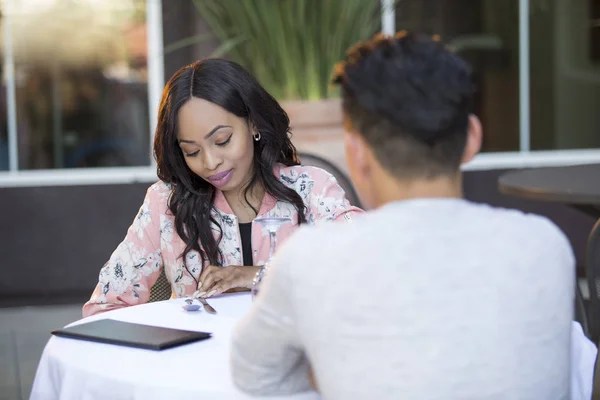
477, 222
524, 228
318, 240
523, 221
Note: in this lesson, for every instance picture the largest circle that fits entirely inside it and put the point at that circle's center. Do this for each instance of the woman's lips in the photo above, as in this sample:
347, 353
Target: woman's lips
221, 178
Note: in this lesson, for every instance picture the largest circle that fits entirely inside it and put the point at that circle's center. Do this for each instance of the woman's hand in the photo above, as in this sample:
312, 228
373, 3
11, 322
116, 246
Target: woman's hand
217, 280
312, 379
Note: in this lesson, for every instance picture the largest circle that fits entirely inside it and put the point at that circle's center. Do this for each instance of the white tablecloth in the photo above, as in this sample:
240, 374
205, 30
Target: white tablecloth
583, 360
74, 369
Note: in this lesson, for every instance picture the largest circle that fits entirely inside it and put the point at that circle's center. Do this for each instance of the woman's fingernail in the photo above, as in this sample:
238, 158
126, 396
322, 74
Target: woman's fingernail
211, 293
201, 294
199, 285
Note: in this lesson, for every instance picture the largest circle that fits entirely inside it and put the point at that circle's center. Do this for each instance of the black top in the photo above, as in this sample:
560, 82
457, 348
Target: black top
246, 235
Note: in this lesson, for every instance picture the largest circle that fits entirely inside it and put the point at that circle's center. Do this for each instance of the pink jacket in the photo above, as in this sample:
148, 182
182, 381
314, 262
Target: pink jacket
152, 244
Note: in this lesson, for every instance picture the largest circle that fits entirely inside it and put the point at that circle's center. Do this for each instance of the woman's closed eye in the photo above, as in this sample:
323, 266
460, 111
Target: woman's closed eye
220, 144
224, 143
193, 154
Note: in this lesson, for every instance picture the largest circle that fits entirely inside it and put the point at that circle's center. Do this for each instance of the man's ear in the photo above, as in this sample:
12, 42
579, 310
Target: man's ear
356, 155
474, 138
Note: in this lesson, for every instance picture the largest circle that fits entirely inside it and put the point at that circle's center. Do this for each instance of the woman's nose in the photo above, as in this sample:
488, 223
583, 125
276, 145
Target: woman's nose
212, 160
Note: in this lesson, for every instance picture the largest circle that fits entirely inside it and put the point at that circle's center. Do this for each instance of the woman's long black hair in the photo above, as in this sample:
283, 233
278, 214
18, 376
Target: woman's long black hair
230, 86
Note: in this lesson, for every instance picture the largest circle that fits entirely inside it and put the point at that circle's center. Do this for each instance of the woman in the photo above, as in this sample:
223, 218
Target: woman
224, 158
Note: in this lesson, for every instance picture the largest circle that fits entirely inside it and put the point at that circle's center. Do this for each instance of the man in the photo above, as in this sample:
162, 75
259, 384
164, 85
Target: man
429, 296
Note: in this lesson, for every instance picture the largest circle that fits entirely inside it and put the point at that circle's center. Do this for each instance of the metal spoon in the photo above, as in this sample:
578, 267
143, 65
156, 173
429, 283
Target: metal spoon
209, 309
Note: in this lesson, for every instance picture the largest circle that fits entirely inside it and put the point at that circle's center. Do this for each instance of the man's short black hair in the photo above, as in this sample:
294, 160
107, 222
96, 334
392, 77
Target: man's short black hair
410, 98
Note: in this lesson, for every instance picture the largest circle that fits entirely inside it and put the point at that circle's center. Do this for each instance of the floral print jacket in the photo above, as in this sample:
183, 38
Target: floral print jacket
152, 243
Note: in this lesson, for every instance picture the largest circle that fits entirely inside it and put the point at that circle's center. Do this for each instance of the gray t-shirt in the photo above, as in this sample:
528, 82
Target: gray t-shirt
422, 299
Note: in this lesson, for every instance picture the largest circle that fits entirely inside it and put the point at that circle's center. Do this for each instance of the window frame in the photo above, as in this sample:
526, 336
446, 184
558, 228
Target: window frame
122, 175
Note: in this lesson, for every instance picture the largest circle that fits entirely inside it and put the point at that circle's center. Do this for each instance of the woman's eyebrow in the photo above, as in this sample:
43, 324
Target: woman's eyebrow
209, 134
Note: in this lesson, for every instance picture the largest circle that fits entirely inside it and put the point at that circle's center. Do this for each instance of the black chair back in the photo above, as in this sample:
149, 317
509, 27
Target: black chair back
161, 289
592, 265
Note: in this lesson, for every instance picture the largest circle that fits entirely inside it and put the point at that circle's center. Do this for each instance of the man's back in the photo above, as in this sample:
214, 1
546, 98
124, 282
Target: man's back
433, 299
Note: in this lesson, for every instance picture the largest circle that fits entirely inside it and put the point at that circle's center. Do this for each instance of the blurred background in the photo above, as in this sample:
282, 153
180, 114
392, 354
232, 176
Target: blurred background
81, 82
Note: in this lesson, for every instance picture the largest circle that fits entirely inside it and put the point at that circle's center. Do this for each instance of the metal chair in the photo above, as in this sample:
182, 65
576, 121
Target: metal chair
342, 179
581, 311
592, 265
161, 289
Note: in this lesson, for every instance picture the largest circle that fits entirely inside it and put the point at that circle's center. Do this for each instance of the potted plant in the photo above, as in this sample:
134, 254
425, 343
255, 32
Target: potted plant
291, 47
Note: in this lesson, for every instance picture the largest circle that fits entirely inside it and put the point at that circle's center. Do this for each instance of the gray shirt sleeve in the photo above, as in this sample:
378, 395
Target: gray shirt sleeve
266, 357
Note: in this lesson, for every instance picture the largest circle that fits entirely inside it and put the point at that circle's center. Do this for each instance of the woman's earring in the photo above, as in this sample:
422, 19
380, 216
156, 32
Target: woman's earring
256, 136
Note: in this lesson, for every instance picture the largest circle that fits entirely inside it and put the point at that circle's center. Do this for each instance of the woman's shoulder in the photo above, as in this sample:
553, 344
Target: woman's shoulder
160, 187
303, 172
158, 194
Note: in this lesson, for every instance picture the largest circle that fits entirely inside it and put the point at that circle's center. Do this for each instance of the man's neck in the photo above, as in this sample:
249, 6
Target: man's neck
390, 190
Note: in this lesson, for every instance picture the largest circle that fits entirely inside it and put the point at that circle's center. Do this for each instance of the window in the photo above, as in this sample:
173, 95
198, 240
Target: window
80, 83
595, 30
83, 78
565, 74
485, 32
3, 128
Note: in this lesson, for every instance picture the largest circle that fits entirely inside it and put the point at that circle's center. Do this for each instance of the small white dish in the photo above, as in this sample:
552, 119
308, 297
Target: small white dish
190, 306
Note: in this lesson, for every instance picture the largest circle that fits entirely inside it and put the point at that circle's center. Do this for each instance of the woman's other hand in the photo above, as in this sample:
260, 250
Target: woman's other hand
216, 280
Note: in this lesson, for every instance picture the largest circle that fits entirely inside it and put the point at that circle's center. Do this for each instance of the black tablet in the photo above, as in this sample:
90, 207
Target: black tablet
129, 334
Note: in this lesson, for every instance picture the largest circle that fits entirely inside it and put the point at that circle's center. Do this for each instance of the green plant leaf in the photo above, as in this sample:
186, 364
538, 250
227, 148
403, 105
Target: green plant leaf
180, 44
290, 46
226, 47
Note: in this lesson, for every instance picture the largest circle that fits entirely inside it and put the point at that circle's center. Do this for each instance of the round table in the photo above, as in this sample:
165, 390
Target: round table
75, 369
577, 186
